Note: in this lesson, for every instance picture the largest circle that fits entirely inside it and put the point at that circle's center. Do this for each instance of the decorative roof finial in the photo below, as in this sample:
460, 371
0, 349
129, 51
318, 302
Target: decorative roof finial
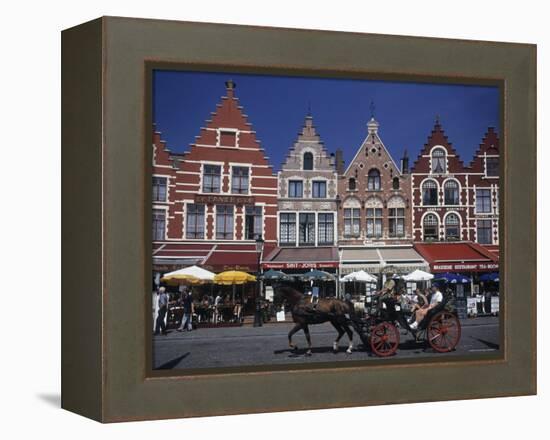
309, 108
437, 120
372, 108
230, 85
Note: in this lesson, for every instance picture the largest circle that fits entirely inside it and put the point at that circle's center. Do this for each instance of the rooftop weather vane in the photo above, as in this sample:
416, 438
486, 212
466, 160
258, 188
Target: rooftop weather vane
372, 108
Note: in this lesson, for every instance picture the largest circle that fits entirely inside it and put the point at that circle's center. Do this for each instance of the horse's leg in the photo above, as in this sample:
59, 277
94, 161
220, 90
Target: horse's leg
296, 328
340, 331
350, 337
308, 339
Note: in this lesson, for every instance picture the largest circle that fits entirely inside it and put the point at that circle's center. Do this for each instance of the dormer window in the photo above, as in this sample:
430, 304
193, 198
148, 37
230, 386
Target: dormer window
439, 165
395, 183
228, 138
373, 180
308, 161
491, 166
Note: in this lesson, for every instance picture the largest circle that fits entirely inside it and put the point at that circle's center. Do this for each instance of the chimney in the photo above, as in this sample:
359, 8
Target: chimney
405, 163
230, 86
339, 161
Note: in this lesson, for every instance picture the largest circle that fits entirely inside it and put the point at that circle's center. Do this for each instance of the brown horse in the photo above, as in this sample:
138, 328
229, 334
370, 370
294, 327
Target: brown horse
304, 313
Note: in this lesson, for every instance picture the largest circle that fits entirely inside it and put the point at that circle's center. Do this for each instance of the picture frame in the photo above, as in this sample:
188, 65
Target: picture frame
106, 193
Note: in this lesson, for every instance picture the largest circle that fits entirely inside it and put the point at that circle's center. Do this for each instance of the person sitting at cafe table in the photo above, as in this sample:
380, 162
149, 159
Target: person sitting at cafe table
435, 299
217, 304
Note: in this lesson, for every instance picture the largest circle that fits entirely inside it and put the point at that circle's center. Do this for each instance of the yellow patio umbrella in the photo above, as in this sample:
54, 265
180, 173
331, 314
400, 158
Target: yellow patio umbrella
181, 279
230, 277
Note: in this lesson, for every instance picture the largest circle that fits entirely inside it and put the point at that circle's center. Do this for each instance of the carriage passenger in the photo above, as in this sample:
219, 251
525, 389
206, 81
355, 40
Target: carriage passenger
436, 298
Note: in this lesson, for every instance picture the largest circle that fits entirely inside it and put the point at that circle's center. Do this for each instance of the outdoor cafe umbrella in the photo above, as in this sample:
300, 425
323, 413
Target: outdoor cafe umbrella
231, 277
493, 276
188, 275
418, 275
360, 276
452, 278
317, 275
275, 275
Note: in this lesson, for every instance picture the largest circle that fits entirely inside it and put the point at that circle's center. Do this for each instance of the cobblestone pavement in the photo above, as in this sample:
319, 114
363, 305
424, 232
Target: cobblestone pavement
267, 345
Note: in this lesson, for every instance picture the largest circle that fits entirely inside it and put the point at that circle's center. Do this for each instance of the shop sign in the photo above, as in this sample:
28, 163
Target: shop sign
224, 267
225, 199
304, 265
465, 267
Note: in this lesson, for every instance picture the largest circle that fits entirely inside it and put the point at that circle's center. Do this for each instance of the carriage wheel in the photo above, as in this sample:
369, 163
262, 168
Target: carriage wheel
384, 339
443, 332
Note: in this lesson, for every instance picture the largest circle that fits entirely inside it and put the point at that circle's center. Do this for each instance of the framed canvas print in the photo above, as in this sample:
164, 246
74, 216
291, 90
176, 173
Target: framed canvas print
309, 219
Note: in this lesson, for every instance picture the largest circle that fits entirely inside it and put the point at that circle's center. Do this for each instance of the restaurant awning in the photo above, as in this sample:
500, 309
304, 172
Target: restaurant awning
396, 259
214, 257
493, 248
301, 258
458, 257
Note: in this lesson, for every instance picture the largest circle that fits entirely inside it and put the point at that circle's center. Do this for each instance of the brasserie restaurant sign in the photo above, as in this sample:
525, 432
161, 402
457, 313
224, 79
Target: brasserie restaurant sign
464, 267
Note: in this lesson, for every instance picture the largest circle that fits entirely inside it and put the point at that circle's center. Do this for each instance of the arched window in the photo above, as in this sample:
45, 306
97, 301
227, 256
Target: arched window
439, 165
395, 183
308, 161
452, 227
451, 193
430, 226
429, 193
352, 184
373, 180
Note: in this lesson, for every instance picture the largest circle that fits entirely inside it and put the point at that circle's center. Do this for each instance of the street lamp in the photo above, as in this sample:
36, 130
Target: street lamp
258, 305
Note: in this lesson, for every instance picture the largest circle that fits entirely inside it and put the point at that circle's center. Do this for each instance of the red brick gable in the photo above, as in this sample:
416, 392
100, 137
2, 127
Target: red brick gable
213, 144
437, 137
161, 153
489, 145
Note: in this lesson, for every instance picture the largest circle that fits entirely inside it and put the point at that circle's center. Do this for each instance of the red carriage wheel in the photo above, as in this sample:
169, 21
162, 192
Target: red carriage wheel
384, 339
443, 332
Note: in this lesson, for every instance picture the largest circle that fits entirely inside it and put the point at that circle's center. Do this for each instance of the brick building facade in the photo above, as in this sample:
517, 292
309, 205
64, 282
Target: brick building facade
307, 190
452, 201
212, 202
374, 196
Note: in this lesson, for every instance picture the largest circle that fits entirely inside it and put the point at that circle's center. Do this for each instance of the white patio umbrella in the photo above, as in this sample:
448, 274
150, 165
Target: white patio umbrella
418, 275
360, 276
191, 274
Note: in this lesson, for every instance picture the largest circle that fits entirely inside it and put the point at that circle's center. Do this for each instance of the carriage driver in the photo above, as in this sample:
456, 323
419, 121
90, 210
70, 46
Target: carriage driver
436, 298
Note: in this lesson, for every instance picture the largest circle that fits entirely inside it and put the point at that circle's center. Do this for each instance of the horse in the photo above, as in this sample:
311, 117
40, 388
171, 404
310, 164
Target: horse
304, 313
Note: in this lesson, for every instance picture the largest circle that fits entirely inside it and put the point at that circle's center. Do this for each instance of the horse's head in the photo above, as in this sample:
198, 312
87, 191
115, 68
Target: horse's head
282, 293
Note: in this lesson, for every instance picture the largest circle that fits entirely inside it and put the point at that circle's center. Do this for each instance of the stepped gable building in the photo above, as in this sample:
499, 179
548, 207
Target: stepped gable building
374, 194
374, 220
212, 202
451, 201
484, 190
307, 191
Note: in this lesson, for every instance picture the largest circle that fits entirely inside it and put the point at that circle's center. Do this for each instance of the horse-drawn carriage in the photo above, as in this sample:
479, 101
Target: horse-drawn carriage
386, 315
379, 325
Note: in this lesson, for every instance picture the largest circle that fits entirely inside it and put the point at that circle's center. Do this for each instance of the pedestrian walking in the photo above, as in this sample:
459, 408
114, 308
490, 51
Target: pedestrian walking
162, 309
188, 309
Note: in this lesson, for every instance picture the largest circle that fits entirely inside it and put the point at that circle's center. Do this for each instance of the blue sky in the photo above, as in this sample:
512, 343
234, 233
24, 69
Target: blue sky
277, 105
